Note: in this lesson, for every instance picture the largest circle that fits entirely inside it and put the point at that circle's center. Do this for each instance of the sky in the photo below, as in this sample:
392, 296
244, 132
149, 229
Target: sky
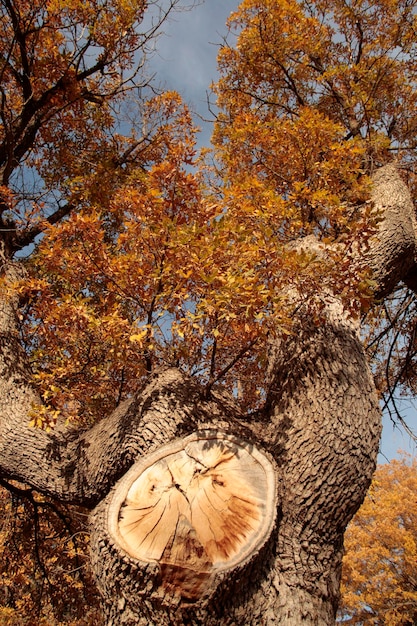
185, 61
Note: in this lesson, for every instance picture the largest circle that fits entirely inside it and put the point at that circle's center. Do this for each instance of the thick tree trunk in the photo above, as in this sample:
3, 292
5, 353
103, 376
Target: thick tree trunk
323, 434
202, 516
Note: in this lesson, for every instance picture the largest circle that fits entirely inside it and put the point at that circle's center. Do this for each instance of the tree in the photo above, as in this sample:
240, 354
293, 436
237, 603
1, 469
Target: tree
44, 550
379, 567
200, 329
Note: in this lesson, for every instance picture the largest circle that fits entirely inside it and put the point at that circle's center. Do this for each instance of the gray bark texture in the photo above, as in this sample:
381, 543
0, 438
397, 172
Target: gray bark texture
320, 433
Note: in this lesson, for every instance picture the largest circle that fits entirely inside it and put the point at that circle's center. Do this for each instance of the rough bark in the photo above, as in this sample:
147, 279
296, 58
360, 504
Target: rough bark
320, 432
393, 253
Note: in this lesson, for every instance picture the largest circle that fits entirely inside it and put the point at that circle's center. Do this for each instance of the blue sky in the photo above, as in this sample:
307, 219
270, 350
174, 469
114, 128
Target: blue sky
394, 438
186, 53
185, 61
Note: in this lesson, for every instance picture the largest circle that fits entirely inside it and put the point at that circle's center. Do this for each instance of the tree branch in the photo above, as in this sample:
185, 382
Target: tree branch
392, 255
21, 239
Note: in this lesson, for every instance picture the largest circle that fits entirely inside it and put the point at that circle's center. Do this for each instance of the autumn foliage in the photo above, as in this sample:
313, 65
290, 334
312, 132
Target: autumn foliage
65, 67
314, 97
379, 583
168, 260
325, 81
143, 253
45, 578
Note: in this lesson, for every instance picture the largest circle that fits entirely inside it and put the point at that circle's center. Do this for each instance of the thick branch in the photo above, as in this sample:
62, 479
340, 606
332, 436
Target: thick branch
23, 238
81, 467
393, 252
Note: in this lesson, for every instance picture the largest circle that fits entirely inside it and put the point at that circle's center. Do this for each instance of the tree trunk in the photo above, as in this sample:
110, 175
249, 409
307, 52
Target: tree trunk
322, 434
199, 514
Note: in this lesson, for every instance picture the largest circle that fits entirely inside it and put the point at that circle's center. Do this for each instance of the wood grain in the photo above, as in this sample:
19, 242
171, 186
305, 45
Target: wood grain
199, 505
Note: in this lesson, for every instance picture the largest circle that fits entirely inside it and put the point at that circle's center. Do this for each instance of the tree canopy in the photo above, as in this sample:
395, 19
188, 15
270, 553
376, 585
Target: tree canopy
314, 97
379, 583
165, 260
44, 550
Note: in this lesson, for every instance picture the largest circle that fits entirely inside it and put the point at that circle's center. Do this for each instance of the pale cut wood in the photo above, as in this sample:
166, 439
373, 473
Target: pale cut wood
198, 505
